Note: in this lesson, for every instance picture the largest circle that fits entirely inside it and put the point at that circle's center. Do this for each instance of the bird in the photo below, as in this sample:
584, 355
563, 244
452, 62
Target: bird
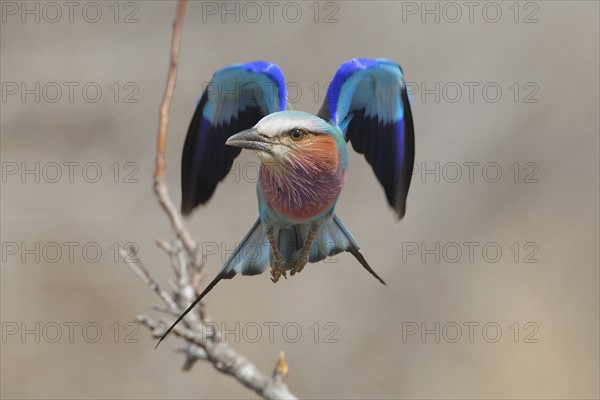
303, 159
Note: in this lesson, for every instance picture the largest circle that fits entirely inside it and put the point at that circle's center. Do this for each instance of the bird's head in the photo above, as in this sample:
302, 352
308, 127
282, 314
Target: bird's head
292, 137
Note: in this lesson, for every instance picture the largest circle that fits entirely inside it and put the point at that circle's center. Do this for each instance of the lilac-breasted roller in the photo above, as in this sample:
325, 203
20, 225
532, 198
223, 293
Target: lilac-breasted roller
303, 158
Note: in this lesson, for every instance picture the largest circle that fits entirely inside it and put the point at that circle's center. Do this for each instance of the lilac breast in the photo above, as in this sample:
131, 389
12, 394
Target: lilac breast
302, 190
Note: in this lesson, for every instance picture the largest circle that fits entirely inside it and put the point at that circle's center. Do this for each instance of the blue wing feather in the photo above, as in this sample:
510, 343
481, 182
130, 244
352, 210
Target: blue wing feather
370, 103
236, 98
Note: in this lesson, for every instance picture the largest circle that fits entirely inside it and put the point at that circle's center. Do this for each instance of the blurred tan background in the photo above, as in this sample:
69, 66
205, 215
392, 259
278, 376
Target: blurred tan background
546, 123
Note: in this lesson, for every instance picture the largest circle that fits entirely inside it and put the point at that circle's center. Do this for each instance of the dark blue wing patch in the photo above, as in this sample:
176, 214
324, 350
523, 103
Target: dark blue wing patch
237, 97
370, 103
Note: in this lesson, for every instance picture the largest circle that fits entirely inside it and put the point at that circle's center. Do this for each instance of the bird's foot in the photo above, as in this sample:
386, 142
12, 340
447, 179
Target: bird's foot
299, 260
277, 270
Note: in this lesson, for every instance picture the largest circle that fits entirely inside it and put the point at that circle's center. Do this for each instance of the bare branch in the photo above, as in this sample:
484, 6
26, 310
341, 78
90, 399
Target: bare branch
203, 341
160, 188
228, 361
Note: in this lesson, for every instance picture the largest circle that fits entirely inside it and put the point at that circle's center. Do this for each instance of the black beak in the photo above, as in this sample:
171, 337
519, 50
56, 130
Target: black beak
250, 139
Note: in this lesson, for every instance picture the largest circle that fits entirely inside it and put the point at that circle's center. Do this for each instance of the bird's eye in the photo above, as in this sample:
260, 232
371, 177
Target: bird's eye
296, 134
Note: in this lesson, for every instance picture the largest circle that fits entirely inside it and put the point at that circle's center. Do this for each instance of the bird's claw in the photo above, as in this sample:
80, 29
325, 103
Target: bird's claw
277, 270
299, 260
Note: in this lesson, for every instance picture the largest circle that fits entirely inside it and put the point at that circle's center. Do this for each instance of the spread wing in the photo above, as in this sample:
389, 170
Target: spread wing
235, 99
368, 100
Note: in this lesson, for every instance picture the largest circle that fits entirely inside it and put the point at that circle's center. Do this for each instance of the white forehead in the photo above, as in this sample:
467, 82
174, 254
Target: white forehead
284, 121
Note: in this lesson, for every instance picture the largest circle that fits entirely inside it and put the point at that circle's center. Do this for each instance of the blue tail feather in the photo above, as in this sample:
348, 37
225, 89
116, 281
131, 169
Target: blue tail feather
332, 238
252, 256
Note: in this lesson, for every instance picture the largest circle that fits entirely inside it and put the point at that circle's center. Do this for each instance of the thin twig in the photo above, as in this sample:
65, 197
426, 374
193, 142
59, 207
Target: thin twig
192, 353
141, 272
160, 188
